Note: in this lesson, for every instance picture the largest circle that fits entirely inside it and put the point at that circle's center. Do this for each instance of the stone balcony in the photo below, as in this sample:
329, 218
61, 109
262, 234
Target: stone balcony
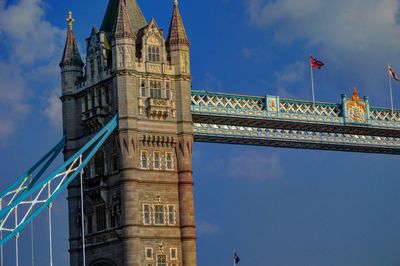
95, 118
157, 108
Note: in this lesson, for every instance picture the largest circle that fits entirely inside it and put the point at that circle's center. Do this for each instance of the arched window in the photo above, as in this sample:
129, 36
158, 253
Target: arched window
153, 53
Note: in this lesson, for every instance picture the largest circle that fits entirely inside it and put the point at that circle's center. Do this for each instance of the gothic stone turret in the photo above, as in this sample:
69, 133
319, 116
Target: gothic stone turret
138, 200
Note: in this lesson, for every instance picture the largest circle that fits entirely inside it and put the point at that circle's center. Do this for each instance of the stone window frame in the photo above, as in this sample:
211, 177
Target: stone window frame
89, 228
173, 213
144, 213
154, 53
142, 152
158, 262
159, 161
114, 163
152, 253
143, 88
168, 89
97, 219
163, 213
176, 254
99, 164
172, 161
156, 88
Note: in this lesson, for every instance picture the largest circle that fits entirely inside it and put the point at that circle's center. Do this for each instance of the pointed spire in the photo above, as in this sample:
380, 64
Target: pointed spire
134, 13
177, 34
122, 25
71, 55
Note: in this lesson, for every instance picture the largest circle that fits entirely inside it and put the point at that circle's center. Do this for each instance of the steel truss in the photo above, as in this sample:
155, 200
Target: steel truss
256, 111
30, 195
216, 133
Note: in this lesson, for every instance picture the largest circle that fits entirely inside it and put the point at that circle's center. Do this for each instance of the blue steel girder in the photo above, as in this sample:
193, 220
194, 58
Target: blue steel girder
285, 138
243, 119
251, 111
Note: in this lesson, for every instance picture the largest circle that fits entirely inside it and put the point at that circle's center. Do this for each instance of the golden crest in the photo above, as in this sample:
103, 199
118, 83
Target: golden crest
356, 108
272, 104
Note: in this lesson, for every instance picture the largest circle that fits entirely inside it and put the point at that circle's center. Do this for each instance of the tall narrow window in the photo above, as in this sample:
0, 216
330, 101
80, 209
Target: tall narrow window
100, 97
86, 172
168, 90
159, 214
146, 214
161, 260
99, 164
111, 217
114, 162
169, 161
89, 224
107, 96
155, 89
93, 99
149, 253
86, 103
99, 70
153, 53
156, 160
92, 68
101, 222
171, 214
143, 88
144, 160
173, 253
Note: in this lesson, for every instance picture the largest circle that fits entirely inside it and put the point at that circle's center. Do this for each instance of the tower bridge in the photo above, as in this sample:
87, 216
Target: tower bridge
130, 119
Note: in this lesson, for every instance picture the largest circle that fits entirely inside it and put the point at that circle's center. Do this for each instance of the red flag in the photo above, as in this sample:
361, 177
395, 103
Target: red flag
393, 74
316, 63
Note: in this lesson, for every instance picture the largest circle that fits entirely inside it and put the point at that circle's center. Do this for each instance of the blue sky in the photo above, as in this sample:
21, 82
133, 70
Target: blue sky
274, 206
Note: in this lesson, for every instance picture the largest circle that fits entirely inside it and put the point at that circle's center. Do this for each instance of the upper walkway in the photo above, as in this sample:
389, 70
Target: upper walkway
352, 125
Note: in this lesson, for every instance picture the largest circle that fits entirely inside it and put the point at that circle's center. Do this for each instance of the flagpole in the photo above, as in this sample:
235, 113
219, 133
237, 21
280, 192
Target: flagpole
312, 83
390, 87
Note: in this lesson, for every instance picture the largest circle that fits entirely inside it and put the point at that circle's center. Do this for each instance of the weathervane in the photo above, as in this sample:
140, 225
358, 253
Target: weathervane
70, 20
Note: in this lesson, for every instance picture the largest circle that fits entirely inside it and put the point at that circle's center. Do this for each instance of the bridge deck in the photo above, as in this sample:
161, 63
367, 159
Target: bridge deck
272, 121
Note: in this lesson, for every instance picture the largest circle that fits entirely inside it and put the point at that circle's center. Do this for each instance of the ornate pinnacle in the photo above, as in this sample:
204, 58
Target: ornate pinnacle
176, 2
70, 20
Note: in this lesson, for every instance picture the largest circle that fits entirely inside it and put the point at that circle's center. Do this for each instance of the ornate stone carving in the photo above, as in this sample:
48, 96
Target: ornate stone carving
272, 105
356, 109
160, 108
116, 210
158, 141
154, 68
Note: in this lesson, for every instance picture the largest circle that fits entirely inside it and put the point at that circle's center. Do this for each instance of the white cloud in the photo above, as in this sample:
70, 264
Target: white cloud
13, 100
29, 35
53, 110
207, 229
252, 165
31, 51
292, 74
356, 38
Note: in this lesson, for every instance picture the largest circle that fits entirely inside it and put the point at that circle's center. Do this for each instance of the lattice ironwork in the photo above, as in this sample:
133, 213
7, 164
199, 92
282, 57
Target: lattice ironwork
228, 101
384, 115
317, 109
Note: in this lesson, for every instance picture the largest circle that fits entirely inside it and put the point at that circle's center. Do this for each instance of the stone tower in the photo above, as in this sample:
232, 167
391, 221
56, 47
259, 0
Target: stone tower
138, 199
